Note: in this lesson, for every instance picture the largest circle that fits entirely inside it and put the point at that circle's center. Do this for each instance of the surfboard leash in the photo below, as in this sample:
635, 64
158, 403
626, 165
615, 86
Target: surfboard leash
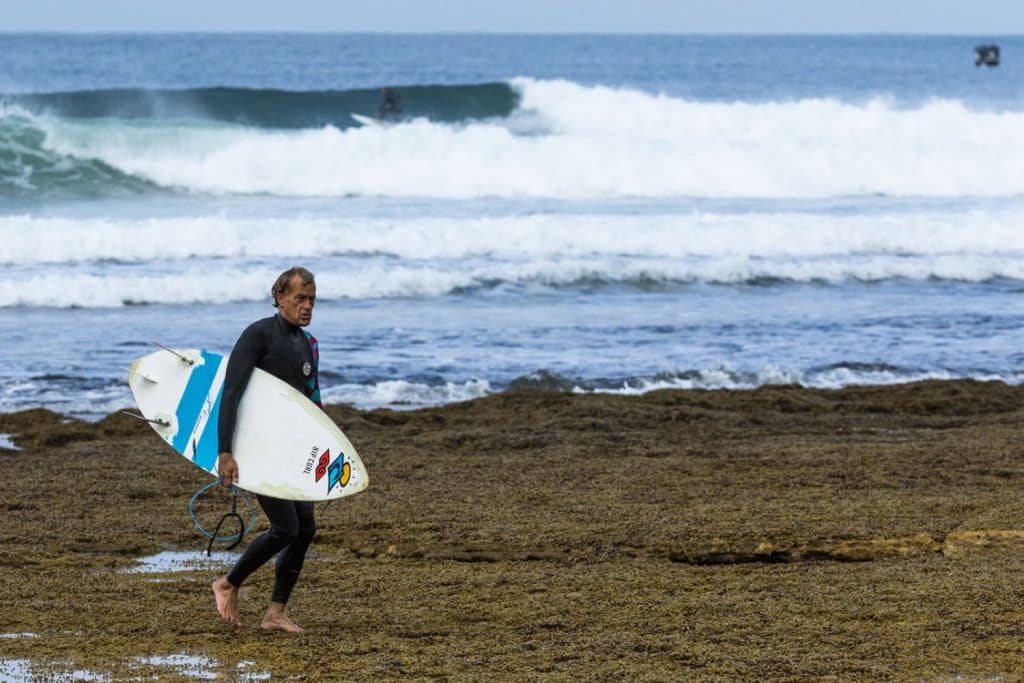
234, 539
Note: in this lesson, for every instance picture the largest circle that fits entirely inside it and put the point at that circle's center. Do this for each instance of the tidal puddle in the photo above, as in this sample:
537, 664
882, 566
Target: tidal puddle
21, 670
177, 665
14, 670
201, 668
182, 561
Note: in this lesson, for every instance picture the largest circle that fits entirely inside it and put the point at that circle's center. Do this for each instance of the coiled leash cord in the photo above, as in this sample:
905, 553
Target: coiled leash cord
235, 539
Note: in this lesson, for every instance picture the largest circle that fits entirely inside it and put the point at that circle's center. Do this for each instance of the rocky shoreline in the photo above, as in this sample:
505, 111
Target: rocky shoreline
781, 533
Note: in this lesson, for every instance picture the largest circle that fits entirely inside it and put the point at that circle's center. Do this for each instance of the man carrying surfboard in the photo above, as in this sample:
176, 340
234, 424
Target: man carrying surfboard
280, 346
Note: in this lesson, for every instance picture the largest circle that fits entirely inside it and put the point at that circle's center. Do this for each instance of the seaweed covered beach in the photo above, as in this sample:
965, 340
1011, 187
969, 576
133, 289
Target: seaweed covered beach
781, 533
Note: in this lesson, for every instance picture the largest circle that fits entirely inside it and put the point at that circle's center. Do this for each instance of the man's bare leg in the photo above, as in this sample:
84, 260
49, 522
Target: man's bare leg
276, 620
226, 596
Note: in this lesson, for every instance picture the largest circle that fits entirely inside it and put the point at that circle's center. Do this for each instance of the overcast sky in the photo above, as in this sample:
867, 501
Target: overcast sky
1000, 17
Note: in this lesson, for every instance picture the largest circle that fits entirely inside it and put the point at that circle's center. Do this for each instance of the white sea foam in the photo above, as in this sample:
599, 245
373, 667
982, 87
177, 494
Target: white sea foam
404, 394
99, 262
28, 239
398, 394
599, 142
389, 278
378, 280
769, 375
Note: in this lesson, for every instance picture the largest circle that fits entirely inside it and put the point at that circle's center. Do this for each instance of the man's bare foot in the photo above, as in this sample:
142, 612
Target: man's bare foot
226, 596
276, 620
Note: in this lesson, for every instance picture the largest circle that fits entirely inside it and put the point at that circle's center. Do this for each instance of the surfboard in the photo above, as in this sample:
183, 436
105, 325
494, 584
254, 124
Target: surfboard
285, 445
367, 120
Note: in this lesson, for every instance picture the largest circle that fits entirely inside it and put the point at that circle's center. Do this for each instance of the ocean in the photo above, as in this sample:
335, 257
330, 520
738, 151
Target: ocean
591, 213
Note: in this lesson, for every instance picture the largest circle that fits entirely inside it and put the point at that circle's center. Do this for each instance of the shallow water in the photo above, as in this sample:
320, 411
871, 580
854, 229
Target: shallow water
202, 668
14, 670
180, 664
182, 561
21, 670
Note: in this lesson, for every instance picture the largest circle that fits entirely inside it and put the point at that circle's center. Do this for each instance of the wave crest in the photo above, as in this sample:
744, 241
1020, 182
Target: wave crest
269, 108
558, 140
28, 168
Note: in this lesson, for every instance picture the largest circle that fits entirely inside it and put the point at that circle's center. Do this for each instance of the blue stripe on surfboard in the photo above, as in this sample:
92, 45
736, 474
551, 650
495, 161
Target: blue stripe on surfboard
206, 453
193, 397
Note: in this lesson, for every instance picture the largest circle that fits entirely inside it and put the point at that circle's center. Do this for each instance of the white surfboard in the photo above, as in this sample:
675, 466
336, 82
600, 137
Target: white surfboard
286, 447
364, 120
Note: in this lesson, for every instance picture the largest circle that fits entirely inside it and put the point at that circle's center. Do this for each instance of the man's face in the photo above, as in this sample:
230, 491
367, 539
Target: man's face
296, 306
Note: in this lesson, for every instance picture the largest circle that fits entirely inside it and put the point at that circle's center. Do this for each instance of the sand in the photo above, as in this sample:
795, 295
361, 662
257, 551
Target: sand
776, 534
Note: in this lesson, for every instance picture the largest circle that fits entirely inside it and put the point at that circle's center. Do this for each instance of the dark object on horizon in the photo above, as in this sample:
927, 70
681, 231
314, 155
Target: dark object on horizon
987, 55
391, 107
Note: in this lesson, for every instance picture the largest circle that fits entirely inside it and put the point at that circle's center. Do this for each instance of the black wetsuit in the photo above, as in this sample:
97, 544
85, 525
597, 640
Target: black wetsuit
390, 108
287, 352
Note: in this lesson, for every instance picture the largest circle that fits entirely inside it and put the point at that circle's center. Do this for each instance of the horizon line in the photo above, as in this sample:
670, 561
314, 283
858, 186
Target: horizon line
483, 32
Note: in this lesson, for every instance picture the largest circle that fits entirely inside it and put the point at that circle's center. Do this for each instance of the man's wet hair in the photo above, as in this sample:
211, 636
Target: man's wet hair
283, 283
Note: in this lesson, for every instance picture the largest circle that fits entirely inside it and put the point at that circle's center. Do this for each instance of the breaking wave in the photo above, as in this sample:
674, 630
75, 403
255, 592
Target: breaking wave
522, 139
106, 262
265, 108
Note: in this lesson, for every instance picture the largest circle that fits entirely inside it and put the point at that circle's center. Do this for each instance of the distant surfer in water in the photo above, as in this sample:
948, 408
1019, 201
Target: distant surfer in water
280, 346
390, 108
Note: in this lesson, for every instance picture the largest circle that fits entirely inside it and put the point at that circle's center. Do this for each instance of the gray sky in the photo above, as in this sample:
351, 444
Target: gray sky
1000, 17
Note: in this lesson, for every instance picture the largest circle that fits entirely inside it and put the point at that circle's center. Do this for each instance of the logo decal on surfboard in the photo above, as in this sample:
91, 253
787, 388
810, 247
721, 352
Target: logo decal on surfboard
338, 472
